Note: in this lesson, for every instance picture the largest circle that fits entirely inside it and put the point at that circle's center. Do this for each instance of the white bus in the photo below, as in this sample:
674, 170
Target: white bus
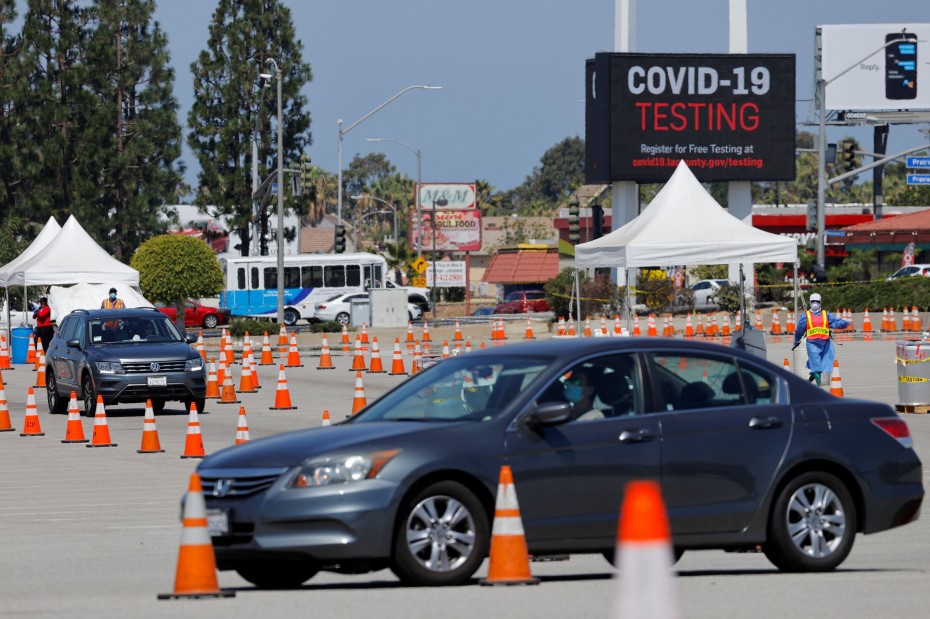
252, 282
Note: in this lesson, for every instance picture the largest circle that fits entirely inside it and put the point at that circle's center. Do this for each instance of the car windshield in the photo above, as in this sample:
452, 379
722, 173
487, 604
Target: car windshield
129, 330
462, 388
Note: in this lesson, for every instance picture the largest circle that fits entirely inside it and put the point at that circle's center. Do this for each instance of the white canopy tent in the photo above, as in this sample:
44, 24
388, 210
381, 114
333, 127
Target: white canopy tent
46, 236
72, 257
684, 226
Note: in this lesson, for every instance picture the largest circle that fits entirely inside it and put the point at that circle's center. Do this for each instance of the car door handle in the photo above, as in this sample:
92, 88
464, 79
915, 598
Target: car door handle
764, 423
636, 436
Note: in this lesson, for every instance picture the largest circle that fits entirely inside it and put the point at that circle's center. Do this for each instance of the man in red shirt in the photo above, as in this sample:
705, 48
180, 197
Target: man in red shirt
43, 316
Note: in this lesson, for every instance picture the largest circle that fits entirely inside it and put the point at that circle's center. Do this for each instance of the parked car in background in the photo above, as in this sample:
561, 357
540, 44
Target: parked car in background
703, 293
417, 296
124, 355
483, 311
17, 316
339, 308
208, 230
750, 456
523, 301
197, 315
912, 271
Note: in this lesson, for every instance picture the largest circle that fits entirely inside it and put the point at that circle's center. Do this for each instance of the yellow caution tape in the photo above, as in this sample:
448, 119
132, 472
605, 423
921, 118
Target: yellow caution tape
910, 361
912, 379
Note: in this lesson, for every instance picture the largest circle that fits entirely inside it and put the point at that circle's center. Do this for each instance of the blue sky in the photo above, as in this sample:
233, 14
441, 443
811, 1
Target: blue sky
512, 71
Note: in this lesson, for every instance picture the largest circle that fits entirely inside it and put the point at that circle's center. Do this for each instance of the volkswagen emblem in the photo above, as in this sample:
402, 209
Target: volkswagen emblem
221, 487
154, 367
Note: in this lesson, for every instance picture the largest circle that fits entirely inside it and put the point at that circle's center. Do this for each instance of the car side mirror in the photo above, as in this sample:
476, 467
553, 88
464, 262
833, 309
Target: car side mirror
75, 343
191, 338
551, 414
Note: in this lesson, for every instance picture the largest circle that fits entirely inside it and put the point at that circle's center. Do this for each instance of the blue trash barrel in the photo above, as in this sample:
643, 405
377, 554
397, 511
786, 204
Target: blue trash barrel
20, 344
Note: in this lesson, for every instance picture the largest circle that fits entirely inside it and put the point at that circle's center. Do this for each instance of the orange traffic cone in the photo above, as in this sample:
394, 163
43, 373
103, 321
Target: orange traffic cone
636, 329
603, 325
457, 336
293, 357
282, 343
242, 427
509, 559
282, 397
253, 366
31, 351
689, 327
916, 324
326, 420
344, 342
196, 572
866, 322
651, 326
618, 330
326, 360
790, 326
699, 330
193, 441
101, 436
31, 424
5, 425
892, 322
228, 392
200, 348
40, 375
426, 337
501, 331
529, 330
5, 362
786, 365
397, 364
38, 360
646, 586
725, 331
836, 382
587, 327
150, 442
359, 402
445, 349
375, 367
776, 323
571, 327
74, 432
213, 385
230, 353
561, 328
410, 339
266, 358
245, 380
358, 360
759, 325
905, 319
364, 335
417, 359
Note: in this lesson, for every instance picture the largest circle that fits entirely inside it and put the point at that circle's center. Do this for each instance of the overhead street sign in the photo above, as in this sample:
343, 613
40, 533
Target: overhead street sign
918, 179
918, 162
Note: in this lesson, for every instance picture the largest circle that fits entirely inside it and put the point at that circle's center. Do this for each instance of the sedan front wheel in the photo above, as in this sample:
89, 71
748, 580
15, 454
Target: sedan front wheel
442, 536
813, 524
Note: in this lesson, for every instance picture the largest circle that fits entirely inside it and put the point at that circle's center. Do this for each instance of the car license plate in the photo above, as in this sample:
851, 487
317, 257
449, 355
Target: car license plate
158, 381
217, 522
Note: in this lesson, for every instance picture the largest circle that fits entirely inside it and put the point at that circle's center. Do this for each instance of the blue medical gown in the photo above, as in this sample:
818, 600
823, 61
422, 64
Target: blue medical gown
820, 353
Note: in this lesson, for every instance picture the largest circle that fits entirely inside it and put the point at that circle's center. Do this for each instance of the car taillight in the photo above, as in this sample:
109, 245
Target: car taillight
896, 428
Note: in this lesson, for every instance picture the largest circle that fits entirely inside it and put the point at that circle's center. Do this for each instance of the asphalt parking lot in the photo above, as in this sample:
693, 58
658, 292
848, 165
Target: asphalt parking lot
95, 532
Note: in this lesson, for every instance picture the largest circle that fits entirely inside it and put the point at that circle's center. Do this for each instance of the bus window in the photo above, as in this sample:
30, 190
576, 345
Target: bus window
376, 282
240, 278
271, 278
292, 277
335, 276
255, 284
312, 277
353, 275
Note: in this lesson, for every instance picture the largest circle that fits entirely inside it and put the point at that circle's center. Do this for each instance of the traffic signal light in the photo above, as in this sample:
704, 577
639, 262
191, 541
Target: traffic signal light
340, 244
574, 230
850, 160
597, 215
811, 215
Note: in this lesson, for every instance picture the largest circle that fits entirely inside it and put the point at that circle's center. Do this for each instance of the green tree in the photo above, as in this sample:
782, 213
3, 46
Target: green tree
560, 172
137, 131
244, 34
361, 173
174, 267
11, 83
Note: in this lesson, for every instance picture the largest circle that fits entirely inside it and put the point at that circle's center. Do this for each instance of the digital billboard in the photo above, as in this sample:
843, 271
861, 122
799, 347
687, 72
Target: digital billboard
731, 117
876, 67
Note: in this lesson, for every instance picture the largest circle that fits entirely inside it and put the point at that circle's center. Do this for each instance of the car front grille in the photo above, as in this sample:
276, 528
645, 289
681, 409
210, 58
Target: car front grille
236, 487
146, 368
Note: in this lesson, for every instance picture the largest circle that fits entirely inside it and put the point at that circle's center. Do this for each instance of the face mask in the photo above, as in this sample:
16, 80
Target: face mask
573, 393
113, 296
815, 305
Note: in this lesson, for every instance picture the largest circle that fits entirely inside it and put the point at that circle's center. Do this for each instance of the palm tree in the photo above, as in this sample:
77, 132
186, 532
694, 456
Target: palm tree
399, 255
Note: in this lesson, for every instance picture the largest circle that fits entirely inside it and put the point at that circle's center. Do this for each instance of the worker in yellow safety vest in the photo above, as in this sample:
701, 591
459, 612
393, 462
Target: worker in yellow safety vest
112, 301
815, 324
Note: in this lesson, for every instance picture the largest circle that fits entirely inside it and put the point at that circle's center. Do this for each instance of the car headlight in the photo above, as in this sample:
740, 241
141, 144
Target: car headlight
193, 365
109, 367
342, 470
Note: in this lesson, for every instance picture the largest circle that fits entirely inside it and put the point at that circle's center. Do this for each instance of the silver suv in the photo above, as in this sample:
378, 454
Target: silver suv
124, 355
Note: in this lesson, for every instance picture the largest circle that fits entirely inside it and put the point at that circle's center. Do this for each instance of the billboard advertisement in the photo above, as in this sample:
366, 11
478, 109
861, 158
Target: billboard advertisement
448, 196
876, 67
730, 117
449, 274
453, 230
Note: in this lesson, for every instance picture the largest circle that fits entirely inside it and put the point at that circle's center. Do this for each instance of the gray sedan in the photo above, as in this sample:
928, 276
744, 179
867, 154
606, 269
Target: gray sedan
748, 456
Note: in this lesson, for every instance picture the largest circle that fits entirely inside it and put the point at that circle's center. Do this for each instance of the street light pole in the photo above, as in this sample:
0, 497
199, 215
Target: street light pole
342, 132
277, 72
419, 226
255, 244
386, 203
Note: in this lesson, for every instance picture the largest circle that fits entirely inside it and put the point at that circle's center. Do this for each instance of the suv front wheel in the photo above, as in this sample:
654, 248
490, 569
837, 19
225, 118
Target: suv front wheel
89, 395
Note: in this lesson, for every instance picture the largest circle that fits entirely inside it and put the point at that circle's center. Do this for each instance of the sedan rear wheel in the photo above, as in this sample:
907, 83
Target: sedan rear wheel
441, 537
813, 524
342, 318
210, 321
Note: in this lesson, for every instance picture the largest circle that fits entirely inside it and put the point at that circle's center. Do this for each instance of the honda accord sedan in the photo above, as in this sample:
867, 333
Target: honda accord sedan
748, 456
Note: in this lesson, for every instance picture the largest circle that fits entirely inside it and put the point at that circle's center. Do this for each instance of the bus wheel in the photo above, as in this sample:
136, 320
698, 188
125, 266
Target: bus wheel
291, 317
